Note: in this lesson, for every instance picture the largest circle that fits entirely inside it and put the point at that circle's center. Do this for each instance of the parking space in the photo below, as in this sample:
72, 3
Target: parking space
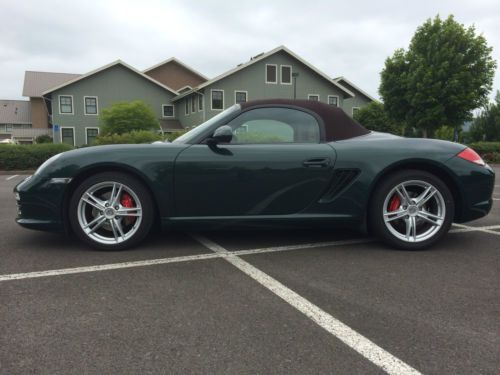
255, 301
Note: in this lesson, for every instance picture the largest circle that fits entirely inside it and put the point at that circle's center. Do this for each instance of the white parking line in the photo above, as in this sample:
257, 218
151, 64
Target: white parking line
341, 331
485, 229
11, 177
151, 262
189, 258
105, 267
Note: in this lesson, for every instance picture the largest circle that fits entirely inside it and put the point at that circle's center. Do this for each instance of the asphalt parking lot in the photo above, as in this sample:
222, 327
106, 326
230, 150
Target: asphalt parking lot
248, 302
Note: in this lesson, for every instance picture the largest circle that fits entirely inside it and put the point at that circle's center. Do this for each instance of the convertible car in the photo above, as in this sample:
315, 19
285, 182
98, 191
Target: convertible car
262, 163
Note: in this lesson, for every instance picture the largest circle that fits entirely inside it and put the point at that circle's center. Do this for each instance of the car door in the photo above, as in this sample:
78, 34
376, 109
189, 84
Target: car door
274, 165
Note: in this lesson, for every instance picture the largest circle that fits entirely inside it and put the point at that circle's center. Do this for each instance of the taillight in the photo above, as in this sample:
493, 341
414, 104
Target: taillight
470, 155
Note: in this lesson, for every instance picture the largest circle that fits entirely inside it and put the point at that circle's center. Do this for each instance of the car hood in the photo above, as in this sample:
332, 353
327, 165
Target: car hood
136, 156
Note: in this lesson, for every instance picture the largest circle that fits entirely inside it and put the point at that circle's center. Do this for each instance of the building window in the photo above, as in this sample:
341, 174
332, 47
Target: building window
66, 104
314, 97
193, 103
271, 73
22, 126
217, 100
200, 102
240, 96
286, 75
355, 110
68, 136
91, 134
167, 110
90, 103
333, 100
186, 106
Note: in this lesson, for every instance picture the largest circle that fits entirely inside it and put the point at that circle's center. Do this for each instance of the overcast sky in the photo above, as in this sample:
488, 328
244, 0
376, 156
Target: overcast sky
348, 38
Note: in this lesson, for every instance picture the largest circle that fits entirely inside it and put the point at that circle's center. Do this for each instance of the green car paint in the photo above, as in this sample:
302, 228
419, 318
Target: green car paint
195, 183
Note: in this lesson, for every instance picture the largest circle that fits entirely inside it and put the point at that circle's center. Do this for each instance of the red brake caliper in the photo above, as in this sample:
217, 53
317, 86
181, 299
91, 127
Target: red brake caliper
128, 202
394, 203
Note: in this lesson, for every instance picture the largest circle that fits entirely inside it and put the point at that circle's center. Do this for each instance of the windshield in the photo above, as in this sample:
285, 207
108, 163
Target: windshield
193, 133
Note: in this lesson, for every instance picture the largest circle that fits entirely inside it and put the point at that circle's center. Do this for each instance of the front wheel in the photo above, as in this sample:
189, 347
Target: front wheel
111, 211
411, 210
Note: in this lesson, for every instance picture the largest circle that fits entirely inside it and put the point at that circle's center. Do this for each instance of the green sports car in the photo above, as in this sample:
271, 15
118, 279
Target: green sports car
262, 163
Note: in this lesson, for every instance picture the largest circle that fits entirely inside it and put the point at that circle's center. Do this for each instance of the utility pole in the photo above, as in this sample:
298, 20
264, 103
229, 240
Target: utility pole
295, 75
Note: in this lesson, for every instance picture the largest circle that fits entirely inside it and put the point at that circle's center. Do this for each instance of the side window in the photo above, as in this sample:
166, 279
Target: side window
275, 125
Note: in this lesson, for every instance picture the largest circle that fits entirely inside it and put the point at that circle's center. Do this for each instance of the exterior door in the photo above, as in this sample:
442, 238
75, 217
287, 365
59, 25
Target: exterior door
275, 165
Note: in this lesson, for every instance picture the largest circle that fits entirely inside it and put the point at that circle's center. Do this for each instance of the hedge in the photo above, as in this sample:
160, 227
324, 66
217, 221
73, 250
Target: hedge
489, 151
23, 157
483, 147
136, 136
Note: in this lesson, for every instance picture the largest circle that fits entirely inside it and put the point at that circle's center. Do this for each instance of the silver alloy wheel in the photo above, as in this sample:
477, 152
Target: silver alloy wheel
103, 218
414, 211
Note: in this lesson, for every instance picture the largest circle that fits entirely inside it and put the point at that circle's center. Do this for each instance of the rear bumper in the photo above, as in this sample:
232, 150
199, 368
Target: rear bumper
476, 185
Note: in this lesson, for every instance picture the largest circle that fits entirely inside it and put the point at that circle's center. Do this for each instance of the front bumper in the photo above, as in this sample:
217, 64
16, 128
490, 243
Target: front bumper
40, 203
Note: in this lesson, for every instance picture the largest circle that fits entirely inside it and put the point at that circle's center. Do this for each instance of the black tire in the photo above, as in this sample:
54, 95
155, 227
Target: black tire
385, 187
141, 192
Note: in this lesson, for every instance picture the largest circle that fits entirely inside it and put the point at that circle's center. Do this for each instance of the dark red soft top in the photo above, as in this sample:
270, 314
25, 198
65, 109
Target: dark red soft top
338, 125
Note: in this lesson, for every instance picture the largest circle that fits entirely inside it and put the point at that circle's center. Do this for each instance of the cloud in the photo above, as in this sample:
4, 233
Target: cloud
340, 38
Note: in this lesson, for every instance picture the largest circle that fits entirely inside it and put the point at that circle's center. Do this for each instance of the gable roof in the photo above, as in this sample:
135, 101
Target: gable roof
102, 68
258, 58
35, 83
339, 80
15, 112
173, 59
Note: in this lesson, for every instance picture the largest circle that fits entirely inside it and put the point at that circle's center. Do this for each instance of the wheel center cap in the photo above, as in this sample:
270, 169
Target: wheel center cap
412, 210
109, 213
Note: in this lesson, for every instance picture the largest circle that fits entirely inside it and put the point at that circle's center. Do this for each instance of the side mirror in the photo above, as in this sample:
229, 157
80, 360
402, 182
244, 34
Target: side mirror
223, 134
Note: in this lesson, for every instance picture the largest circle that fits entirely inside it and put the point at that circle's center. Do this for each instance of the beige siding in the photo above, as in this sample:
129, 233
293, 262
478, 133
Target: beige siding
175, 76
39, 116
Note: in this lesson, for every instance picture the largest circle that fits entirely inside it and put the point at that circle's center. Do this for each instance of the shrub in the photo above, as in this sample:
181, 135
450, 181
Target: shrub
125, 117
485, 147
491, 157
139, 136
374, 117
489, 151
171, 136
44, 138
445, 133
22, 157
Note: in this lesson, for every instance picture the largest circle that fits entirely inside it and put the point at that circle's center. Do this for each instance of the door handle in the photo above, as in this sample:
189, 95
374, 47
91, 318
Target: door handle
316, 163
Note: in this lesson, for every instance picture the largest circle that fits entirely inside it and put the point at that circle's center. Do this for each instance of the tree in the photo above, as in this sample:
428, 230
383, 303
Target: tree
126, 117
486, 127
374, 117
446, 72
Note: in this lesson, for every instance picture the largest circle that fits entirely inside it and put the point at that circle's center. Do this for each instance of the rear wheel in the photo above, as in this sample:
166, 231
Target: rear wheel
411, 210
111, 211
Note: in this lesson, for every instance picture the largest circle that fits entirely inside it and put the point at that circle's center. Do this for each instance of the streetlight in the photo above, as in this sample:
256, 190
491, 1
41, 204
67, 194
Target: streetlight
295, 75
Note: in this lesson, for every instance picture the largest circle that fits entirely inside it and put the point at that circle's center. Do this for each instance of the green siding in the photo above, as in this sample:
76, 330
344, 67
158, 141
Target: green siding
193, 118
252, 80
359, 100
115, 84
